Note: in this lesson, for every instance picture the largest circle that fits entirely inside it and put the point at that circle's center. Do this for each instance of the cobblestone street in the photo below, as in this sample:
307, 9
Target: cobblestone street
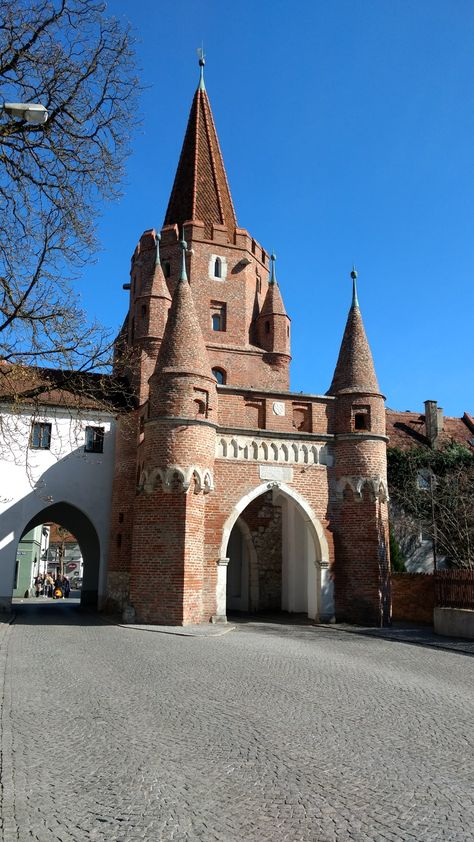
268, 732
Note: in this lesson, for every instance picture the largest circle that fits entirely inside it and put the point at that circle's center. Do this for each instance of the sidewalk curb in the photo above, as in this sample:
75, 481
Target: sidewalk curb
379, 634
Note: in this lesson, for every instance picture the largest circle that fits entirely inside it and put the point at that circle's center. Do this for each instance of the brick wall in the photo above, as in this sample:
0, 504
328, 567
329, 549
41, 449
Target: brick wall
413, 597
264, 522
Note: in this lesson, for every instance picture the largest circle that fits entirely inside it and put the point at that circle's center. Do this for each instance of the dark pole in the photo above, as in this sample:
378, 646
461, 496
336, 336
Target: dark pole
433, 520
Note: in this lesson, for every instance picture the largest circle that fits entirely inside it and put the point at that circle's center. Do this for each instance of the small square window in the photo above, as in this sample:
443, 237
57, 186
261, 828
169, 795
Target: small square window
360, 421
360, 417
40, 438
94, 440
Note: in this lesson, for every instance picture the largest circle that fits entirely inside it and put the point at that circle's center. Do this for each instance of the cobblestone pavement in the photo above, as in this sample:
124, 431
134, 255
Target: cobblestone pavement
270, 732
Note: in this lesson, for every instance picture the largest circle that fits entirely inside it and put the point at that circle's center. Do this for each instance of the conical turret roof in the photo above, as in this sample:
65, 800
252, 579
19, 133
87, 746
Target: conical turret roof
200, 190
182, 349
273, 303
159, 287
355, 370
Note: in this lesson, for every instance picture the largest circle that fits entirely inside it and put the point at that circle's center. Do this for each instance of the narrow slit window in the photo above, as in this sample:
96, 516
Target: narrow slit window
218, 268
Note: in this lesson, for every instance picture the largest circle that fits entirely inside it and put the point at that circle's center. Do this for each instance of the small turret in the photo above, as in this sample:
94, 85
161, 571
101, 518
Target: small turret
361, 535
273, 324
151, 298
182, 384
355, 367
148, 311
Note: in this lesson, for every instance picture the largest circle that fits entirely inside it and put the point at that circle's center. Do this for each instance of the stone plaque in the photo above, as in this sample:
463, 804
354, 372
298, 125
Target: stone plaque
277, 473
278, 408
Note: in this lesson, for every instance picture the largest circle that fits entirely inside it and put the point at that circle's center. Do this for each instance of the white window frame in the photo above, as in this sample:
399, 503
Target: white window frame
212, 263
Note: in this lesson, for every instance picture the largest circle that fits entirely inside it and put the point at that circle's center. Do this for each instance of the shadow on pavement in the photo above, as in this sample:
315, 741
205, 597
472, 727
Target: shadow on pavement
57, 612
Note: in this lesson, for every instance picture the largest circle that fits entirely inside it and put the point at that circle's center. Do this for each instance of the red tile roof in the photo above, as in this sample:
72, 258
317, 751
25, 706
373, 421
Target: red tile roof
407, 429
200, 190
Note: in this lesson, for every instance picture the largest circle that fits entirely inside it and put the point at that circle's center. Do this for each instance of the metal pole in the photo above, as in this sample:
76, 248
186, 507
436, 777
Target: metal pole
433, 521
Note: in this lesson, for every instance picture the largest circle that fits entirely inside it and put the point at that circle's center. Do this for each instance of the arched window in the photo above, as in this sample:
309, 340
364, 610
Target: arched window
166, 268
267, 327
218, 268
220, 375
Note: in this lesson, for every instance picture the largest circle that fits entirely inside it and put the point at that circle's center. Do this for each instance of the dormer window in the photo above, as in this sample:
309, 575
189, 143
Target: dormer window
267, 327
220, 375
166, 266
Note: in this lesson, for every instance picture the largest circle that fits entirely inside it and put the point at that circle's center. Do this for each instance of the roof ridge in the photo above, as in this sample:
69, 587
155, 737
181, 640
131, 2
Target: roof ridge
196, 156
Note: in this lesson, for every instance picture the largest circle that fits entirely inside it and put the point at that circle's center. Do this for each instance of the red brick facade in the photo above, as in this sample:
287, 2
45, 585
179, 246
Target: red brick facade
218, 442
413, 597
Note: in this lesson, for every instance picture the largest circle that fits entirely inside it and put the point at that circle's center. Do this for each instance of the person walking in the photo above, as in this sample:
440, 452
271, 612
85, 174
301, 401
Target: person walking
48, 585
66, 587
39, 585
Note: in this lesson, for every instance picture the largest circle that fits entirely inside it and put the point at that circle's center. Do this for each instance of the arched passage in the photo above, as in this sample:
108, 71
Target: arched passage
273, 540
76, 522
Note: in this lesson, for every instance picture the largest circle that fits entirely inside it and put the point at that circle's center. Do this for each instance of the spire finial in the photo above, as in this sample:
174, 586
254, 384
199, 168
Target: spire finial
157, 243
273, 258
355, 301
183, 276
202, 62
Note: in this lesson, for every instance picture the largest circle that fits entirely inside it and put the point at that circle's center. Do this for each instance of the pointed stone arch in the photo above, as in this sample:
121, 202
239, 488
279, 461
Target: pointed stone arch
321, 601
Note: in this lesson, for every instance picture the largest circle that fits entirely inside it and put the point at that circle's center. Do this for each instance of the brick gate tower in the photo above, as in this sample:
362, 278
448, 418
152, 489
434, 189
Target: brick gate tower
230, 491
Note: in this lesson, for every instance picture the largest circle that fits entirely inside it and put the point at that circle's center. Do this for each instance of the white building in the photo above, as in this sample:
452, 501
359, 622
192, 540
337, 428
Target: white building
56, 465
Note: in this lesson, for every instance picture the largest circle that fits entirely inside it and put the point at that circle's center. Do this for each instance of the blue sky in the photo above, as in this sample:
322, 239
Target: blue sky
347, 130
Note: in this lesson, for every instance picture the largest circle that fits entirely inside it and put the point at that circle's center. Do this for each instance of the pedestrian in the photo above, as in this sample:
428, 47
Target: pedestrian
58, 592
66, 587
39, 584
49, 585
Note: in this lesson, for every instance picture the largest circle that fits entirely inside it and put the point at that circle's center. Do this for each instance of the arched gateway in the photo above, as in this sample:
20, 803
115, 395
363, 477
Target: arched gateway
77, 523
274, 556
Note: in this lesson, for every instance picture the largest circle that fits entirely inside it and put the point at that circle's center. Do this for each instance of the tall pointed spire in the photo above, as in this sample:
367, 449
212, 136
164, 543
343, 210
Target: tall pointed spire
200, 190
355, 370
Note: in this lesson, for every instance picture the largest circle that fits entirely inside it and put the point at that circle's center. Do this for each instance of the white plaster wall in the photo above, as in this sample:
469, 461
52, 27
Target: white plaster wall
31, 480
